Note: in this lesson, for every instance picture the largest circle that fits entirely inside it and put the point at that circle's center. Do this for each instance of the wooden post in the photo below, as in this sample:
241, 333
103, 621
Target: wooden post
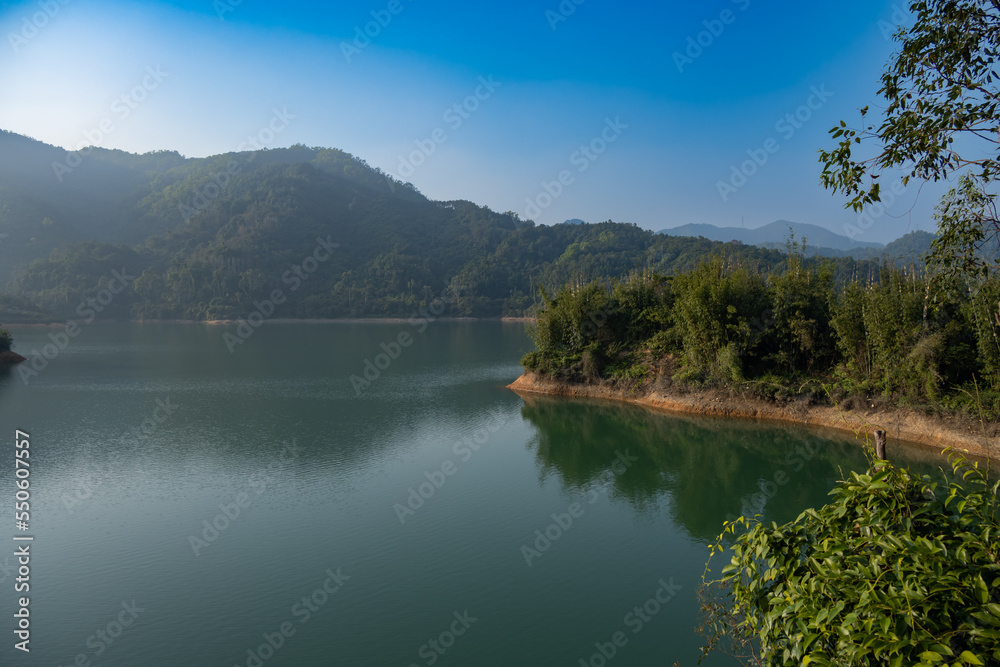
880, 445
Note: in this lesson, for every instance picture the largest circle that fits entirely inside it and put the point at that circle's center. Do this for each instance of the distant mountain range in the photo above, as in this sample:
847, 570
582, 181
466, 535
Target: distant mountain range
774, 233
820, 241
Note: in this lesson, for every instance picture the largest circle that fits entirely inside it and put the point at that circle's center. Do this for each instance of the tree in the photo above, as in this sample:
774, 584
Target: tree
941, 120
967, 222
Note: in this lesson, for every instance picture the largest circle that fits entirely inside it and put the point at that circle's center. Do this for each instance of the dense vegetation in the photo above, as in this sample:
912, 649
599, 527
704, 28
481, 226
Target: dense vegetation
895, 334
207, 238
896, 570
209, 272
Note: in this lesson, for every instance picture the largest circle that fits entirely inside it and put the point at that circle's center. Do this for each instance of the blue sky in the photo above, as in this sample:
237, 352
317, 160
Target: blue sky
591, 94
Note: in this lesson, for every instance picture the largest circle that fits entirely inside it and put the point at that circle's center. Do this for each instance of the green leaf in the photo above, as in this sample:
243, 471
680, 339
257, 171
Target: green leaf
970, 658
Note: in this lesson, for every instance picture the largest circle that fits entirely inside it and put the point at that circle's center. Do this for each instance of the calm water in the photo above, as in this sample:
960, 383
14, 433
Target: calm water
142, 436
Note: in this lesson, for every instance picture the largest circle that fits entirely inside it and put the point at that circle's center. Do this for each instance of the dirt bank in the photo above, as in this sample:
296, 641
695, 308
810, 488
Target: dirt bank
899, 424
8, 358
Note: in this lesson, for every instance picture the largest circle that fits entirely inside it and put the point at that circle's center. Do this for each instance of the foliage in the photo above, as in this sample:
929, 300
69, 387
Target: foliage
897, 337
6, 340
893, 341
803, 337
967, 223
943, 91
984, 313
940, 87
209, 237
716, 318
896, 570
588, 331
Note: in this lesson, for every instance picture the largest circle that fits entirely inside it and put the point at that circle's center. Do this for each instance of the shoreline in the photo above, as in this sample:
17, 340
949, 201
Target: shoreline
900, 424
10, 358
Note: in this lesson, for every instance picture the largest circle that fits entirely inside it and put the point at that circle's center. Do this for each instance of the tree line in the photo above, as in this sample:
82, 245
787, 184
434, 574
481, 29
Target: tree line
896, 333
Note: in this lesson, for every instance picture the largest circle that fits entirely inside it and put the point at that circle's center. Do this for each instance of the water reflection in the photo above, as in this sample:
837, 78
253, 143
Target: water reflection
703, 471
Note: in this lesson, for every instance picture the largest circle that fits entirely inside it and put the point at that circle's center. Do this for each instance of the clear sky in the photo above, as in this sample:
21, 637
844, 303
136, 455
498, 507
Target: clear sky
642, 110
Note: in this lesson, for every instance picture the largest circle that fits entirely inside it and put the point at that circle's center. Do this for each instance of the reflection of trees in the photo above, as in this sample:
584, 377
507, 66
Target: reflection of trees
706, 468
7, 376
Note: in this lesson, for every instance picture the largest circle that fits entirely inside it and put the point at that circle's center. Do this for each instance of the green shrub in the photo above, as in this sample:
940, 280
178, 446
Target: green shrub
628, 372
532, 361
896, 570
592, 361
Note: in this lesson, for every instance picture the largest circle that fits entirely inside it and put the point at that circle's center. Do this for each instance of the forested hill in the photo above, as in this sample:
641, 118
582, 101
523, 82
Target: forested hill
206, 238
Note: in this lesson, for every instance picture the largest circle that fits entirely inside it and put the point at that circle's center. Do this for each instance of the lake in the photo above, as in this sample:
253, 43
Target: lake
196, 505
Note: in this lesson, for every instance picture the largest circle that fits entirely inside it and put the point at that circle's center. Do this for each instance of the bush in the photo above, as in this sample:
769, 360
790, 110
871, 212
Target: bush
593, 362
6, 340
895, 571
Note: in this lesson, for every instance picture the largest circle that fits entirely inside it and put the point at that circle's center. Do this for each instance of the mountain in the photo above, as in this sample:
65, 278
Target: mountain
213, 238
772, 235
909, 249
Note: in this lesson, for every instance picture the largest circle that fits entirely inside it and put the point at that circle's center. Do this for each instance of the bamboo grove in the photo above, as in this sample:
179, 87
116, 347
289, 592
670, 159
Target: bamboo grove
896, 335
